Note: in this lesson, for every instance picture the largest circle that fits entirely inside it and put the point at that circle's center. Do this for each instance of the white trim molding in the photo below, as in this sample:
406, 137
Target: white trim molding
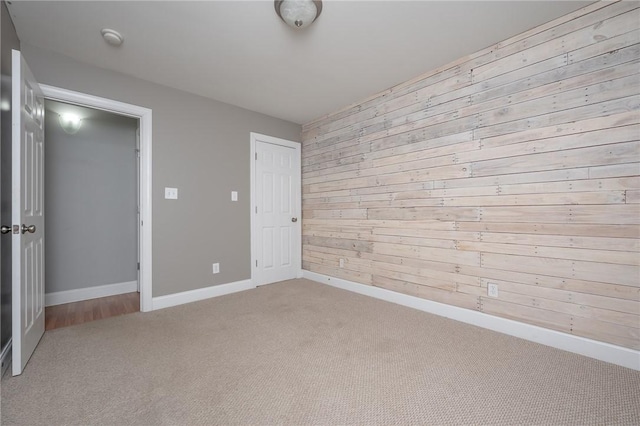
144, 115
602, 351
87, 293
297, 249
175, 299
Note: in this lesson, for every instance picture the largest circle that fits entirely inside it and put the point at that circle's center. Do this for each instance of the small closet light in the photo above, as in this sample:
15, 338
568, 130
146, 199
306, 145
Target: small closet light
70, 123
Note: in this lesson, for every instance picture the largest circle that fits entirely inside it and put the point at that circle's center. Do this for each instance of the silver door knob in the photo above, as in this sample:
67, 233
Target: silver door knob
30, 229
294, 219
5, 229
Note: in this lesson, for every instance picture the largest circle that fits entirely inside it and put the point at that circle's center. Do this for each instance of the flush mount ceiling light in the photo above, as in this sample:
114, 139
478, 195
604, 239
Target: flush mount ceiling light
112, 37
70, 123
298, 13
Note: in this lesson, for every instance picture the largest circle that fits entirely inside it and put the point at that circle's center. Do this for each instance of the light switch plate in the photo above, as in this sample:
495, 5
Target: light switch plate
171, 193
216, 268
234, 195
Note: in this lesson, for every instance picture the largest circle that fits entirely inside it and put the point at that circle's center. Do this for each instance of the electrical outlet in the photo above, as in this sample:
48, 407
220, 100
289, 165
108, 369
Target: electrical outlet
171, 193
216, 268
492, 290
234, 195
342, 263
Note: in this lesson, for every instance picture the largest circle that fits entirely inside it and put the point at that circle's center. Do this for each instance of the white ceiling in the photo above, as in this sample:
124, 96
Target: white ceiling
241, 53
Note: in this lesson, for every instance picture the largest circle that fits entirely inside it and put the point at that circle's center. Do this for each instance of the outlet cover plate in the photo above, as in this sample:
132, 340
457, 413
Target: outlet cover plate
171, 193
492, 290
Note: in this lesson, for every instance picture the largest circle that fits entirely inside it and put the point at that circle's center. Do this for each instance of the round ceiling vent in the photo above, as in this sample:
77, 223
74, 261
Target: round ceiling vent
112, 37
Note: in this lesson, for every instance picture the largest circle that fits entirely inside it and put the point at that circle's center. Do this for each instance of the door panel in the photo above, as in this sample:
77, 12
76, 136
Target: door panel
276, 173
27, 213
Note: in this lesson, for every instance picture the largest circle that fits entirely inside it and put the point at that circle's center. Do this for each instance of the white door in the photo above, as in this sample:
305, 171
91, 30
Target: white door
27, 213
277, 211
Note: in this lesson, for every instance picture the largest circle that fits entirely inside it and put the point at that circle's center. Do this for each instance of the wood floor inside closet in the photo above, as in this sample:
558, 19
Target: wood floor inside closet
91, 310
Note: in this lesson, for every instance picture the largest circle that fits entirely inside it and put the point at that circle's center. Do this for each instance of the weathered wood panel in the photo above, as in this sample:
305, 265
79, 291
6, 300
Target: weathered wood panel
518, 165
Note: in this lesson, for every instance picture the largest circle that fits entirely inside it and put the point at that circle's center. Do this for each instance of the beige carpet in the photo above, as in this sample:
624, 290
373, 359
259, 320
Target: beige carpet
304, 353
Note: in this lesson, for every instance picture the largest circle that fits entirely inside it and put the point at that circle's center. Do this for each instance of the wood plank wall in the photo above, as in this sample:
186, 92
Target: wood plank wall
517, 165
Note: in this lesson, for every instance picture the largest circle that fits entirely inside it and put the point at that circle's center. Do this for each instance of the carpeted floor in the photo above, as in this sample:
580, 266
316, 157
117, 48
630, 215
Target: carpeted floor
299, 352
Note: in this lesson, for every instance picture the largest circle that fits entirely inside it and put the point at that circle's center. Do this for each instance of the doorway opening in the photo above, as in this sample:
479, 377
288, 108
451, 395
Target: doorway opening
144, 117
92, 209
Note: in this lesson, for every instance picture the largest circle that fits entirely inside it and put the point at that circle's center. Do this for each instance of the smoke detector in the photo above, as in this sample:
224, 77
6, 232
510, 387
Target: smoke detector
112, 37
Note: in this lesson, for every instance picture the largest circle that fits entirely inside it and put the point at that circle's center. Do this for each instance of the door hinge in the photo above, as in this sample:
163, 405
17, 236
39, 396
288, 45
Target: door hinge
138, 266
256, 155
256, 209
137, 153
256, 263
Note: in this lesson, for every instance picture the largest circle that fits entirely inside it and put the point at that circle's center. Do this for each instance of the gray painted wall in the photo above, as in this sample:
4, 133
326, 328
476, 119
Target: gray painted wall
90, 200
200, 146
9, 41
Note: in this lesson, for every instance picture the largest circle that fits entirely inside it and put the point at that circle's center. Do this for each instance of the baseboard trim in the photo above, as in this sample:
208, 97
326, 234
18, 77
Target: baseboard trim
5, 358
69, 296
618, 355
162, 302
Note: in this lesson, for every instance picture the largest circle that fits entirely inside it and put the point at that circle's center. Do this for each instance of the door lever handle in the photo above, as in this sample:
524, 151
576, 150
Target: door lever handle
5, 229
294, 219
30, 229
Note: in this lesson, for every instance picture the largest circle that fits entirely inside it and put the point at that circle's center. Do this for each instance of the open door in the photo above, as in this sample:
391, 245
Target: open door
27, 213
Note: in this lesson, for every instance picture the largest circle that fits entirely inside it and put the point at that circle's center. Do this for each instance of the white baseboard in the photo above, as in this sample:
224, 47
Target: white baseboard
592, 348
5, 358
69, 296
161, 302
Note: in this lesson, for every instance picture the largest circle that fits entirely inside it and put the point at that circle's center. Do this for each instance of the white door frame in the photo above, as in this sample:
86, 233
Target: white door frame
298, 201
145, 225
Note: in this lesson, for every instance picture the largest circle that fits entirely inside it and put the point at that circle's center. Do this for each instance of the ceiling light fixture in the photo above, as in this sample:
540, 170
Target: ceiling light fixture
112, 37
70, 123
298, 13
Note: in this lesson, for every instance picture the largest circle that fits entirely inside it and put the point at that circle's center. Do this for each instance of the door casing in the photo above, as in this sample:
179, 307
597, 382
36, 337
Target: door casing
297, 249
144, 115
